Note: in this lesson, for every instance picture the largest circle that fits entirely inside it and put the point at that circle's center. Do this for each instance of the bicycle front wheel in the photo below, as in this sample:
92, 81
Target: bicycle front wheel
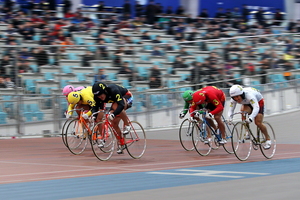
102, 141
76, 137
63, 131
268, 153
135, 140
185, 135
199, 137
228, 147
241, 141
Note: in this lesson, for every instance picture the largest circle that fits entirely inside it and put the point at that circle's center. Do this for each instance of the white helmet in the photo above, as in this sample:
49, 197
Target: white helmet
236, 90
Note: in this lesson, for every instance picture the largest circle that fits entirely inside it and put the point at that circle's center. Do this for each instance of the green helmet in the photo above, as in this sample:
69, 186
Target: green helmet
188, 95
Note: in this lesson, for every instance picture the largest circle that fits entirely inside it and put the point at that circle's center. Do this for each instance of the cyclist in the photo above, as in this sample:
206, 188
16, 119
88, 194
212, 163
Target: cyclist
82, 99
188, 99
252, 102
121, 99
70, 88
213, 99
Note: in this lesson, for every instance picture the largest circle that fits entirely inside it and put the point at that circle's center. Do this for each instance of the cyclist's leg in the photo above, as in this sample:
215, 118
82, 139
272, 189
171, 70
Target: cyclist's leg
258, 121
221, 126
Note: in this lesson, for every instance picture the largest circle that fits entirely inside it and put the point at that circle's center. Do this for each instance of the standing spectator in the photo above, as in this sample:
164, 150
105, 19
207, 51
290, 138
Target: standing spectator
67, 6
100, 76
278, 17
204, 13
100, 9
150, 12
169, 10
41, 57
260, 16
88, 56
245, 13
138, 9
127, 8
180, 10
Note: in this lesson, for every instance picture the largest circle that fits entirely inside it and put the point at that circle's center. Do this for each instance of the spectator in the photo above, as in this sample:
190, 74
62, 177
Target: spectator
8, 82
157, 39
145, 36
88, 56
260, 16
41, 57
169, 47
169, 10
102, 50
204, 13
129, 51
2, 82
245, 13
157, 26
151, 12
5, 61
125, 69
154, 83
101, 76
138, 9
127, 8
179, 63
278, 17
180, 10
156, 51
118, 57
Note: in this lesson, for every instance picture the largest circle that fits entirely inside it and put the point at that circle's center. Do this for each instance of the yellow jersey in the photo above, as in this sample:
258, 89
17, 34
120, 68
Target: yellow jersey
87, 98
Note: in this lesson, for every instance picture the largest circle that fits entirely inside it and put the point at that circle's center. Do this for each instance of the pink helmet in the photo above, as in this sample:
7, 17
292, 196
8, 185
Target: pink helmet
67, 89
79, 88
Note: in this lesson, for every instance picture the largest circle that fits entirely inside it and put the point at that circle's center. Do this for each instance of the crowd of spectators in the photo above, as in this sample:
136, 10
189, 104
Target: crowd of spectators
41, 19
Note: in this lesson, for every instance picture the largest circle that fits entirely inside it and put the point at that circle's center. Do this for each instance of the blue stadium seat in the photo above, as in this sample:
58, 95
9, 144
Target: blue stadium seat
3, 116
30, 85
34, 68
66, 69
72, 56
34, 108
171, 58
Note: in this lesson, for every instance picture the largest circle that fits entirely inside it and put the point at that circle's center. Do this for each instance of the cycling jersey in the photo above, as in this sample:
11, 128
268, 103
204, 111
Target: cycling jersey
214, 97
252, 97
115, 94
87, 98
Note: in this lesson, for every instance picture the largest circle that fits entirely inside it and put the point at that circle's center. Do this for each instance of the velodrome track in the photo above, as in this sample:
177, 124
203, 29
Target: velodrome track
42, 168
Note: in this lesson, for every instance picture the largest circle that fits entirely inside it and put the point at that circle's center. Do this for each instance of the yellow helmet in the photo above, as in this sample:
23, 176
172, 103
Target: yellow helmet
74, 97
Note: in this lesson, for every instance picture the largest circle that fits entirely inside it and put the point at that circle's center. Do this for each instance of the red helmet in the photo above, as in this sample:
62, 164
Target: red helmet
198, 98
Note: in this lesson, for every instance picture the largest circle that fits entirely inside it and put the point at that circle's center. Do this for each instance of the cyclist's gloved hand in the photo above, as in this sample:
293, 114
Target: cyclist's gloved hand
197, 115
249, 120
85, 116
181, 115
111, 116
209, 116
68, 116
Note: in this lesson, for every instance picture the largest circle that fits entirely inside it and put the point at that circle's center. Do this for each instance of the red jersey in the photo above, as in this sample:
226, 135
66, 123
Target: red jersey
213, 95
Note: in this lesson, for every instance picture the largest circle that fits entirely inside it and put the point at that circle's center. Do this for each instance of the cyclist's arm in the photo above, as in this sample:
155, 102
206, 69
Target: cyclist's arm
186, 107
231, 108
70, 107
193, 107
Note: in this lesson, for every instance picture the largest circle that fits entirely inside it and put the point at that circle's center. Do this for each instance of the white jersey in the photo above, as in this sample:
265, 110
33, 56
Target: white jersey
252, 97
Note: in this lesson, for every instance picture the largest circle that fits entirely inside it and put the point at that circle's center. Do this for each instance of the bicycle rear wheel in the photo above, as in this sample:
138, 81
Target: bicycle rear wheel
199, 135
102, 141
241, 141
76, 137
135, 140
268, 153
185, 135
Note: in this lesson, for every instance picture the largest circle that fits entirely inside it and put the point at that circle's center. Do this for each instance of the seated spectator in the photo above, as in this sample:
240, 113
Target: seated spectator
263, 39
102, 50
169, 10
117, 62
213, 58
24, 54
145, 36
180, 10
154, 83
23, 66
44, 41
157, 26
6, 60
184, 53
156, 52
27, 31
137, 22
8, 82
155, 72
69, 14
157, 39
125, 69
179, 63
129, 51
288, 55
2, 82
169, 47
101, 76
88, 56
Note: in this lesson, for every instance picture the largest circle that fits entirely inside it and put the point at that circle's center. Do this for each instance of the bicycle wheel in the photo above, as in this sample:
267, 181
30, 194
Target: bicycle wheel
102, 141
63, 131
135, 140
228, 147
268, 153
241, 141
76, 137
185, 135
199, 135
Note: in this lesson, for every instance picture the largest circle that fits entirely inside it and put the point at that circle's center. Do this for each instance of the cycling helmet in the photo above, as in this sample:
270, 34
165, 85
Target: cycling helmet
188, 95
99, 88
74, 97
67, 89
199, 98
236, 90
